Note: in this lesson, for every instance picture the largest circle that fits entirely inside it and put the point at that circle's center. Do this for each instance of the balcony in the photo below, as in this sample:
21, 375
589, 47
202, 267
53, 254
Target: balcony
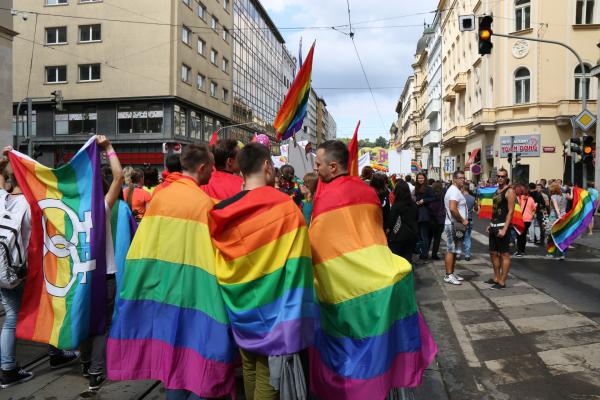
434, 106
457, 134
449, 95
432, 138
460, 82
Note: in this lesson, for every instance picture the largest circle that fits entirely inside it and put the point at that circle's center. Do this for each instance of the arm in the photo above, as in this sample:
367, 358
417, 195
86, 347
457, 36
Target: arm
114, 192
456, 214
511, 198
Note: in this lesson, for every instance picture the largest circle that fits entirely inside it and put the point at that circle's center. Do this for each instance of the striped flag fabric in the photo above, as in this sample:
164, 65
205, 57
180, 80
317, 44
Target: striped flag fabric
353, 153
371, 337
486, 206
171, 322
571, 225
264, 268
291, 115
64, 298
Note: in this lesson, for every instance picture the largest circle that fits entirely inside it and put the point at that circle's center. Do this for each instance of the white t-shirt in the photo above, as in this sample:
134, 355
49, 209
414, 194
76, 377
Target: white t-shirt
453, 193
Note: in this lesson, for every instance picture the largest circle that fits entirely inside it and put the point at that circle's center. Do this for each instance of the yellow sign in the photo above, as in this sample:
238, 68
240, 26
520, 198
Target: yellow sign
585, 120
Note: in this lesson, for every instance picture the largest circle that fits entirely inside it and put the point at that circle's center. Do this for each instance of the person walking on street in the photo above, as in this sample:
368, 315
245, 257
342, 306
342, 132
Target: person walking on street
437, 212
424, 195
401, 223
472, 208
499, 228
528, 208
558, 208
456, 215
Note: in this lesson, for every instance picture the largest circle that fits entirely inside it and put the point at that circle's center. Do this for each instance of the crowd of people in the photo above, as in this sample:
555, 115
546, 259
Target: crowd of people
414, 216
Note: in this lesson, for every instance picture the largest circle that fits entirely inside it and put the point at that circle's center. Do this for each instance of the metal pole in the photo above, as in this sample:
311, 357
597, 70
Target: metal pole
29, 127
514, 156
17, 142
596, 73
581, 64
572, 154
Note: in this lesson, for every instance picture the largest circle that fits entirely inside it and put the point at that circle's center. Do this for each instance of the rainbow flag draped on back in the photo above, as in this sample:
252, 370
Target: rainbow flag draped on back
172, 324
64, 301
293, 110
371, 337
264, 267
570, 226
353, 153
486, 206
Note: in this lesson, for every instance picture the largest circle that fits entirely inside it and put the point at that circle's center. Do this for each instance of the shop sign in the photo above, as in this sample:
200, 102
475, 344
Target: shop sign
549, 149
526, 145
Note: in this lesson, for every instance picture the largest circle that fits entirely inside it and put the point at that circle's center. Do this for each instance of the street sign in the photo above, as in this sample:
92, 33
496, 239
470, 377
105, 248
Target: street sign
174, 147
585, 120
476, 169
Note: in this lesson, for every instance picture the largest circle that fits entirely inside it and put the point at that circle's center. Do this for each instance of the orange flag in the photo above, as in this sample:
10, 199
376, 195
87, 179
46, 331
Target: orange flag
353, 150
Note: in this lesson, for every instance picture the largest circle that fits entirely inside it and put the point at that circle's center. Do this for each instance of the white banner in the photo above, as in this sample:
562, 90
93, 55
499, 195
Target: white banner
364, 161
399, 161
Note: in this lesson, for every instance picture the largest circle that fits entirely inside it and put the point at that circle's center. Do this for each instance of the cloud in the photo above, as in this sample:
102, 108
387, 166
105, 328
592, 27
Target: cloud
386, 48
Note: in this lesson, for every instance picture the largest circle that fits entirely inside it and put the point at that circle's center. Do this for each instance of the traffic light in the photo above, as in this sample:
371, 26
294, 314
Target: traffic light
57, 100
485, 35
588, 149
517, 158
510, 158
575, 149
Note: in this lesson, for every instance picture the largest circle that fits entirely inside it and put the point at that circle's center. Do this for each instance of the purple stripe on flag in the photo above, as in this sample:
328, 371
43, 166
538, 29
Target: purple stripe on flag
287, 337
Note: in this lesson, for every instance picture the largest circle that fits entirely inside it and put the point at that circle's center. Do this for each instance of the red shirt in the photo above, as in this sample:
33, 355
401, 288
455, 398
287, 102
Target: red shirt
223, 185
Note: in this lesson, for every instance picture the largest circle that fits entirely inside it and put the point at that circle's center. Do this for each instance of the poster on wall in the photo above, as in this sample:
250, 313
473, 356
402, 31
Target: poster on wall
399, 162
449, 164
436, 157
526, 145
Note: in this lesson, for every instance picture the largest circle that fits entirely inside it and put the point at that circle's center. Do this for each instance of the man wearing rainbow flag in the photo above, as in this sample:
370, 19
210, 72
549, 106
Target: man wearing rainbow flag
371, 337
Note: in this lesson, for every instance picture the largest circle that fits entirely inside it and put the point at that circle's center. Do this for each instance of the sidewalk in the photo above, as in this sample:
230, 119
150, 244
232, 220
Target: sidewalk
517, 343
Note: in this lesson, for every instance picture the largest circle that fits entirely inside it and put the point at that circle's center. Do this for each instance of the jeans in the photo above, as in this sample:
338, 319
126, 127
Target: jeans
522, 239
93, 350
467, 240
256, 377
424, 238
436, 233
11, 301
181, 394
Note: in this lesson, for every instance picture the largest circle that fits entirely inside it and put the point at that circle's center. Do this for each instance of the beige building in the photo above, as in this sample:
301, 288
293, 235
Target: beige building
143, 72
6, 45
524, 92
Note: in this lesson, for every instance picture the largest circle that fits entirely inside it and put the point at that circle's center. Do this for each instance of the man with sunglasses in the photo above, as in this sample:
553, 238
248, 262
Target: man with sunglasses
499, 233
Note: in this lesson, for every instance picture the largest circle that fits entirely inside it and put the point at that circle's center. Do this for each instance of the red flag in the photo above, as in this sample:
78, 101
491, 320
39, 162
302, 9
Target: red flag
214, 138
353, 150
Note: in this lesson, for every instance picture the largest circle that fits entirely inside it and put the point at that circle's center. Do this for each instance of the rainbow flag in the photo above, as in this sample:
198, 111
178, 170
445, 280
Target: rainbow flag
486, 205
264, 268
293, 110
415, 166
371, 337
570, 226
172, 324
353, 153
64, 301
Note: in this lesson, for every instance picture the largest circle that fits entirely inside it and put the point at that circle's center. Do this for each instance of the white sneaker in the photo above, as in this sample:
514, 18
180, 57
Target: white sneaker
452, 280
458, 277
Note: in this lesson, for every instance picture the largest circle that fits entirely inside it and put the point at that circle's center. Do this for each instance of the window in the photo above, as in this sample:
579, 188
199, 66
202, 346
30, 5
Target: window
90, 1
522, 14
56, 74
180, 121
225, 96
201, 46
585, 12
213, 56
208, 126
140, 118
196, 125
522, 86
57, 35
213, 89
200, 79
225, 64
187, 2
23, 124
214, 23
90, 33
186, 35
225, 34
226, 5
55, 2
580, 81
185, 73
76, 121
202, 11
89, 72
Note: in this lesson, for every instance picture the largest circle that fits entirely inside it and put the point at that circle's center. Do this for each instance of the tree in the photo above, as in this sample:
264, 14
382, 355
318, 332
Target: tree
381, 142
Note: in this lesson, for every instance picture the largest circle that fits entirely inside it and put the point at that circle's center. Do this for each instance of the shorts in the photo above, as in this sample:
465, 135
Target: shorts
452, 246
499, 245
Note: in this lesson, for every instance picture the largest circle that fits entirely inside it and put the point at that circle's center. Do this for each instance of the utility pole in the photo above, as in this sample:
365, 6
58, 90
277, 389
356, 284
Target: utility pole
596, 73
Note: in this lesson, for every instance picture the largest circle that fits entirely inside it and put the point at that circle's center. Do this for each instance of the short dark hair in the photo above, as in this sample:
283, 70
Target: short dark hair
252, 157
224, 149
173, 163
310, 181
193, 156
286, 167
336, 151
150, 177
457, 173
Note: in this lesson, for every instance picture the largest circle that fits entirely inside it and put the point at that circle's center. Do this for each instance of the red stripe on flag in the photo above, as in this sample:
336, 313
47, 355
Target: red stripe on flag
353, 150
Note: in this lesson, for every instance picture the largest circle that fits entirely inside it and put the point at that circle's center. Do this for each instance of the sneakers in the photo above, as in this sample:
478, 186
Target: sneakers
96, 381
467, 258
452, 279
14, 376
85, 369
497, 286
549, 256
458, 277
63, 359
518, 254
435, 257
491, 281
562, 258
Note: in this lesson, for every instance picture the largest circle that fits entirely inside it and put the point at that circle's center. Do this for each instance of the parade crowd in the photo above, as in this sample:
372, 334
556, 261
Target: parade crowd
241, 200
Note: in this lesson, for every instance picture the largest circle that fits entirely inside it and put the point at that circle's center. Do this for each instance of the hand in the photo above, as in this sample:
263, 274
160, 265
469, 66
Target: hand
502, 233
488, 229
465, 222
7, 150
103, 142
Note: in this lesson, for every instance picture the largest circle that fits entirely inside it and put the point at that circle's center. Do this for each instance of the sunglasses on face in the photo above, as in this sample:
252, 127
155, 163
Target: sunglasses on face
502, 176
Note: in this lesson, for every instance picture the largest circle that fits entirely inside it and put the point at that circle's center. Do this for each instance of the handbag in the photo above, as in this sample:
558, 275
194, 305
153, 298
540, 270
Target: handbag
459, 231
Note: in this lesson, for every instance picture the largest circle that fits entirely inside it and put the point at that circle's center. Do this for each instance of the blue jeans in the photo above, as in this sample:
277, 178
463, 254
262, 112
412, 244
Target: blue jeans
11, 301
467, 241
424, 238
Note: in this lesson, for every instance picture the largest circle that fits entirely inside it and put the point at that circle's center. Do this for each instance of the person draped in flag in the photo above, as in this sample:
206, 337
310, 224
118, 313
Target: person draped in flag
225, 181
499, 239
264, 268
371, 337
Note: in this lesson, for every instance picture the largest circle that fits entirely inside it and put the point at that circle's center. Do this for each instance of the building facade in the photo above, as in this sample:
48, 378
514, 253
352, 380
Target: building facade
431, 153
523, 94
6, 55
140, 93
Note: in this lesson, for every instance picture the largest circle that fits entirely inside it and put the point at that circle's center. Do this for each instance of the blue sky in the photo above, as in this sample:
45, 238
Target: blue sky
386, 39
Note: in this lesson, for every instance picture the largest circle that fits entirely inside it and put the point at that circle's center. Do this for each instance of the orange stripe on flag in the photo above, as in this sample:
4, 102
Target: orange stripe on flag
353, 150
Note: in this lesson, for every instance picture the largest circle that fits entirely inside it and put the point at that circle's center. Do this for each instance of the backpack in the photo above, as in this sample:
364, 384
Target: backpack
13, 268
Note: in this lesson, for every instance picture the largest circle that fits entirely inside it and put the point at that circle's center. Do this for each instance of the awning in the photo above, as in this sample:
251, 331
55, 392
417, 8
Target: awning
472, 157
